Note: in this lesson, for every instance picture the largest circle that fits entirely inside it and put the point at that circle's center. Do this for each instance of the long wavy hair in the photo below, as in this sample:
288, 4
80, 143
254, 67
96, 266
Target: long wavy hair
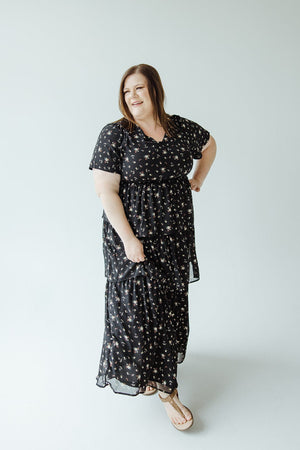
157, 96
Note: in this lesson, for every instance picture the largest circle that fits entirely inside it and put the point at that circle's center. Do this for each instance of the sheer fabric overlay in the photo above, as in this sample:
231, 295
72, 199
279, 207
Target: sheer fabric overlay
146, 314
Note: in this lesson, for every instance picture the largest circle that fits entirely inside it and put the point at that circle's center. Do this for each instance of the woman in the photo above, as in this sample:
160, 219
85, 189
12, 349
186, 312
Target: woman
140, 165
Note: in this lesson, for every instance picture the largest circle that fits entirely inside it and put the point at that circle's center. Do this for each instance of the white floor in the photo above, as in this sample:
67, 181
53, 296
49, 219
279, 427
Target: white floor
238, 404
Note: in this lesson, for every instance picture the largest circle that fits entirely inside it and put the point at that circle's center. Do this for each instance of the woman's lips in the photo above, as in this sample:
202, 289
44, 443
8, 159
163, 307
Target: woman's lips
137, 104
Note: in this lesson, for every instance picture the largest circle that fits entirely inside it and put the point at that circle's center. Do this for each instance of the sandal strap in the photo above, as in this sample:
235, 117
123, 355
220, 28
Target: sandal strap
173, 403
169, 397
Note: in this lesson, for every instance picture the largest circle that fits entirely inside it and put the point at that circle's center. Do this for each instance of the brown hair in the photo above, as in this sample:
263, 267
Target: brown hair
156, 93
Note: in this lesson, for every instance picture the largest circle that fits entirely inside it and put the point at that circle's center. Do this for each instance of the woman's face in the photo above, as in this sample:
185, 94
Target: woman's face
136, 91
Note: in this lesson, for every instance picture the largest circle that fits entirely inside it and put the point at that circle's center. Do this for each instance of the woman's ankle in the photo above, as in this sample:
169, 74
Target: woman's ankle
164, 394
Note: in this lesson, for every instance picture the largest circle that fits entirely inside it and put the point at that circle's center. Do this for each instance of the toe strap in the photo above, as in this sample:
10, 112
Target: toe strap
173, 403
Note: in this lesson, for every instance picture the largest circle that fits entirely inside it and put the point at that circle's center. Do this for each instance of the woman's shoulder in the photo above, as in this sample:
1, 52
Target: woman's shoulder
112, 131
184, 122
121, 127
113, 126
182, 125
190, 126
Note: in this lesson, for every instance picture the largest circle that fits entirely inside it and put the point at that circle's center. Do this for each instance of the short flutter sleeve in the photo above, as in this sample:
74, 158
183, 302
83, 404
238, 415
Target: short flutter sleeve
107, 151
200, 137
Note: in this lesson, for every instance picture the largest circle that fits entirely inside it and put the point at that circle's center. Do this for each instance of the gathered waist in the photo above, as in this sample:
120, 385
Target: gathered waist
158, 181
158, 206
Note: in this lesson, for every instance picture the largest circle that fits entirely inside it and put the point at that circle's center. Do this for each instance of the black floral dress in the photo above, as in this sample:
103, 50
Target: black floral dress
146, 303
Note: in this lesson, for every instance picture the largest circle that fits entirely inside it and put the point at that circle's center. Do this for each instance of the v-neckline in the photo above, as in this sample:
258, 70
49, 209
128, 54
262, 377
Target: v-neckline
151, 138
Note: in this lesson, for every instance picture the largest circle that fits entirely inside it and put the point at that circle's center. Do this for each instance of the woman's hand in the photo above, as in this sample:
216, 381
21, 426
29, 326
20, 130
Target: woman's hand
134, 249
195, 184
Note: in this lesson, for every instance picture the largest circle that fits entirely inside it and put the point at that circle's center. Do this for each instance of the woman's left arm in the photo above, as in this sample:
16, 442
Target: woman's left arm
204, 164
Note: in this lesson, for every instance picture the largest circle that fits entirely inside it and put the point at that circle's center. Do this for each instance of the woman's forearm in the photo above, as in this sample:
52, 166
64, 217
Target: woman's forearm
204, 164
114, 210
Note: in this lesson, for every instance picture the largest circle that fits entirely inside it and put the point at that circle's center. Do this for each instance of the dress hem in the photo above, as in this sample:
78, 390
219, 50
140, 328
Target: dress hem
156, 384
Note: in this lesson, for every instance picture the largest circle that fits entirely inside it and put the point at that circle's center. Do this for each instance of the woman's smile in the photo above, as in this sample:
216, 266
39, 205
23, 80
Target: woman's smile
137, 104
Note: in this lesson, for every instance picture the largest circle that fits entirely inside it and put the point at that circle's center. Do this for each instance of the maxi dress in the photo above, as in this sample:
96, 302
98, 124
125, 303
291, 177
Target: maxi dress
146, 316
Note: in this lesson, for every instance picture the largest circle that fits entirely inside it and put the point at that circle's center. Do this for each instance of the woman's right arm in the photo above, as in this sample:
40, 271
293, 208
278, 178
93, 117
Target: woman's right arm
107, 186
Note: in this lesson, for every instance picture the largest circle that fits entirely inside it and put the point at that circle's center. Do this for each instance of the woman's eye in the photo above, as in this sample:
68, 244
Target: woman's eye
140, 87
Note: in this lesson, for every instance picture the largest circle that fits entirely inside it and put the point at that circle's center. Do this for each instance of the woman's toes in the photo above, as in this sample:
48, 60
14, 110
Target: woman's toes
149, 388
187, 415
179, 419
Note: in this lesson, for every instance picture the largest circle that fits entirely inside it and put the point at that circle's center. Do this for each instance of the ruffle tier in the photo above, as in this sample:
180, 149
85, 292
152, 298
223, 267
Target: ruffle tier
146, 303
169, 258
154, 211
145, 336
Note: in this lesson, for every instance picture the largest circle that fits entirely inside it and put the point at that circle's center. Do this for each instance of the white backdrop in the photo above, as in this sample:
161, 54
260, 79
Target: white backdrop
233, 67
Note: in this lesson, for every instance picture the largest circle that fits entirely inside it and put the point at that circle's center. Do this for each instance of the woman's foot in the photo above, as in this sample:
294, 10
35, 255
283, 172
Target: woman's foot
150, 389
174, 415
